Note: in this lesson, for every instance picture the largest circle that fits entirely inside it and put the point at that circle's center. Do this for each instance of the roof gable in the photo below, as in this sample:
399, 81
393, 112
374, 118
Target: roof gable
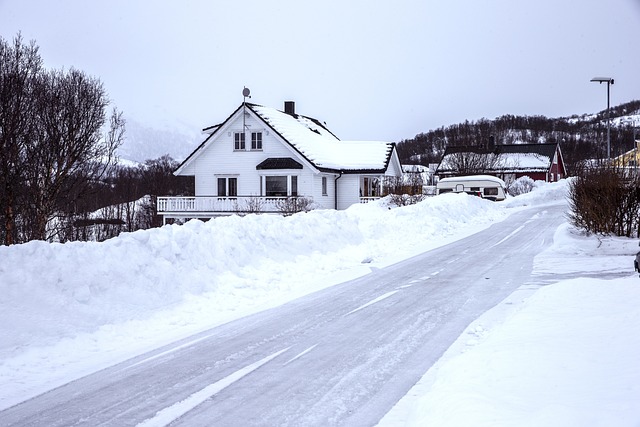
312, 141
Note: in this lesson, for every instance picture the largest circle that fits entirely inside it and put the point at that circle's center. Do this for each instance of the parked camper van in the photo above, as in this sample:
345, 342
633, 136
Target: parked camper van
485, 186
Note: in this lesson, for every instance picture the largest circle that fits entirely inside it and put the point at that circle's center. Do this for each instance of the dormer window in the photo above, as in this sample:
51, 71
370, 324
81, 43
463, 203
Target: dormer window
238, 138
256, 140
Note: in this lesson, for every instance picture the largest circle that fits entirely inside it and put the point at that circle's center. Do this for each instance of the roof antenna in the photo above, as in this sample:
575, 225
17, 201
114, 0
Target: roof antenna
246, 93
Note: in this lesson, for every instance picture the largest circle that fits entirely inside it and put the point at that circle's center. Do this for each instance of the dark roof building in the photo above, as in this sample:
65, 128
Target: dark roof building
509, 162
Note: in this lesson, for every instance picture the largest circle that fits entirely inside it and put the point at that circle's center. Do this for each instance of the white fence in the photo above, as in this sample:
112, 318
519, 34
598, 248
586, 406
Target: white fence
215, 204
218, 205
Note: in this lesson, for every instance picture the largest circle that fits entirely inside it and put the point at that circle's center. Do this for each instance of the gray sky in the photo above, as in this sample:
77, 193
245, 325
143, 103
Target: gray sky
378, 70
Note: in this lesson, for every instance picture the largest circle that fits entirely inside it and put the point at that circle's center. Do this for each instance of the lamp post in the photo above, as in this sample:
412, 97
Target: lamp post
609, 82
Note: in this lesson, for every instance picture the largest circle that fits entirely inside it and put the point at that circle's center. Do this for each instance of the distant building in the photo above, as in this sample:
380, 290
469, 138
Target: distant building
540, 162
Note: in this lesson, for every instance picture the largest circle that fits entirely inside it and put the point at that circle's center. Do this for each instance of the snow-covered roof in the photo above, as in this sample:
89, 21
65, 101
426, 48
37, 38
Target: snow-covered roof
506, 158
318, 145
311, 139
473, 178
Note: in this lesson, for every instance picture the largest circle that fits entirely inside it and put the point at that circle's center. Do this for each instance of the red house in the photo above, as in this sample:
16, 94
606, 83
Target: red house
540, 162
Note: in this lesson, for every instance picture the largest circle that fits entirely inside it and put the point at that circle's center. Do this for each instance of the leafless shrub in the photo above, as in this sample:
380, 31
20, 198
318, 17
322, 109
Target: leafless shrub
250, 205
404, 191
293, 204
405, 199
521, 185
605, 201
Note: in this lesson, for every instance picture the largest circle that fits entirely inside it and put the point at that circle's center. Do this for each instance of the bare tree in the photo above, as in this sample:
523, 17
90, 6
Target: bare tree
52, 140
471, 162
70, 150
20, 65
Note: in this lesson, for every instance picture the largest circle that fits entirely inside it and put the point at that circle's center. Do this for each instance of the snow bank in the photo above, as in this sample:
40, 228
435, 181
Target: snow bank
71, 309
543, 193
565, 354
568, 357
55, 291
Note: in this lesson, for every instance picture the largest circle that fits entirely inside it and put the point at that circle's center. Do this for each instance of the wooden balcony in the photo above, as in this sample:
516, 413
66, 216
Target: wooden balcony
210, 206
217, 205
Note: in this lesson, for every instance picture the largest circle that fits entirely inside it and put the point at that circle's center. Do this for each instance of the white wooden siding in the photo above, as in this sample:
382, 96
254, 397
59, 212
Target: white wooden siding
218, 159
221, 160
348, 191
394, 168
324, 201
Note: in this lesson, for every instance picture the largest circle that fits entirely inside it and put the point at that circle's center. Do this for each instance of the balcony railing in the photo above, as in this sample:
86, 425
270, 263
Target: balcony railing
219, 205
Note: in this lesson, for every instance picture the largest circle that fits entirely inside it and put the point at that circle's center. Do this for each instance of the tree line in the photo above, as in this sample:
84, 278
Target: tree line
580, 137
58, 142
123, 201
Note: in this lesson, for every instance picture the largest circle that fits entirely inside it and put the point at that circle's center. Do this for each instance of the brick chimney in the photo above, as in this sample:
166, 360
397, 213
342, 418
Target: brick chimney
290, 107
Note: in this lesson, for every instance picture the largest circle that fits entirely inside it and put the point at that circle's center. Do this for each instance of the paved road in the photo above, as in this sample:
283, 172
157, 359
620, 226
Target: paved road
341, 356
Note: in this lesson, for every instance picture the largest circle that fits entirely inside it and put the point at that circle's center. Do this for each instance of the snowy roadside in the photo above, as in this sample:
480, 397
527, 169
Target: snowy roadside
557, 355
70, 310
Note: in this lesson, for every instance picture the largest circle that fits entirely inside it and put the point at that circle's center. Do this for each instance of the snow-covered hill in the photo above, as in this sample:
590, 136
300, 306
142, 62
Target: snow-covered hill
152, 139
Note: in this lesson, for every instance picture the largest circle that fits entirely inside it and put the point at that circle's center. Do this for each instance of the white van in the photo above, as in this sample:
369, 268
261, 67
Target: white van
485, 186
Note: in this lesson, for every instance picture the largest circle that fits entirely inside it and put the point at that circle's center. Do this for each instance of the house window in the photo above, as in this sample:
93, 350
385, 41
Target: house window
324, 186
227, 187
222, 187
238, 139
275, 186
256, 140
369, 187
294, 185
233, 186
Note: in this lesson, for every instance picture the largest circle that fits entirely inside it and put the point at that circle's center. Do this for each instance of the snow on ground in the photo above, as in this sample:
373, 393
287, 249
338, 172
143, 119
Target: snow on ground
559, 355
562, 354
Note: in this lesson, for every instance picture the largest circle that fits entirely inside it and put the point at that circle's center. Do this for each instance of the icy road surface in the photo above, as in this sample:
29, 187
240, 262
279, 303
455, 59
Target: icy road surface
341, 356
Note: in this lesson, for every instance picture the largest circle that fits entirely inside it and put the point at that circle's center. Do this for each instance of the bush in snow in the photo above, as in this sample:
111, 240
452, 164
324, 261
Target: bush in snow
405, 199
290, 205
604, 200
521, 185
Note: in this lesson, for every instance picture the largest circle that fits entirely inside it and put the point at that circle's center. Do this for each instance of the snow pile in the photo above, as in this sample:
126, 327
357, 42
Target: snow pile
564, 354
151, 287
545, 193
568, 357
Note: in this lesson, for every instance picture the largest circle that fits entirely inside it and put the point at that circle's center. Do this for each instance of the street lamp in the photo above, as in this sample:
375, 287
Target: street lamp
609, 82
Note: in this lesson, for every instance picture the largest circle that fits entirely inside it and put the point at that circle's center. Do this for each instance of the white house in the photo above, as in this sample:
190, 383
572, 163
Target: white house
260, 157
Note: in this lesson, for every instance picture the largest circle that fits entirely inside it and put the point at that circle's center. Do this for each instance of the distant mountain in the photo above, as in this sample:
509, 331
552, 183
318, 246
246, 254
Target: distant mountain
153, 140
580, 136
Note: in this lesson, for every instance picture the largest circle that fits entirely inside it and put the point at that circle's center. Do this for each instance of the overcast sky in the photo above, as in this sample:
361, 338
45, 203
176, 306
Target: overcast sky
377, 70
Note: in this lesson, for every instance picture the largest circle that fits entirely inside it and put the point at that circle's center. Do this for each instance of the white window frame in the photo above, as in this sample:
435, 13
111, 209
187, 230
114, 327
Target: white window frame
227, 187
370, 186
239, 141
256, 141
292, 184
